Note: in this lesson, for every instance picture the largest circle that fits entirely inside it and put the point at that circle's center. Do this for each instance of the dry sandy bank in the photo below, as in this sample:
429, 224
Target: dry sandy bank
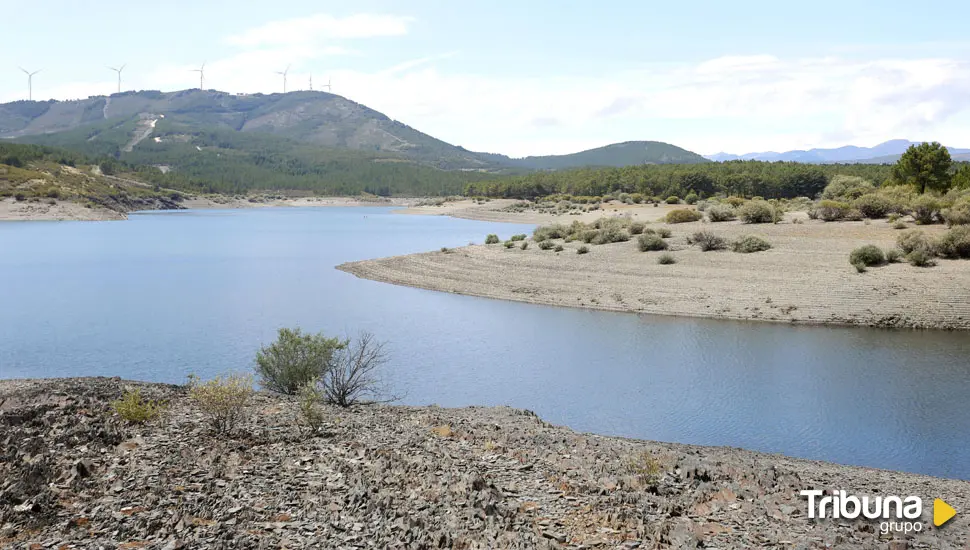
804, 278
12, 210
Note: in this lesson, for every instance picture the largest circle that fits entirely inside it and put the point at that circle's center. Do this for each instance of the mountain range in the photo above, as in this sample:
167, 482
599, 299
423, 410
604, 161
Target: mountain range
884, 153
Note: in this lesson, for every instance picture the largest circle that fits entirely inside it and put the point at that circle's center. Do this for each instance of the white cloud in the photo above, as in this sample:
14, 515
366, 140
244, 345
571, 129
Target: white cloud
320, 28
733, 103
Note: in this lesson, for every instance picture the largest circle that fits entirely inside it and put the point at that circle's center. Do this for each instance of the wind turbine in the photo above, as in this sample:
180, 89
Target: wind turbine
327, 86
284, 76
201, 71
30, 82
118, 70
311, 82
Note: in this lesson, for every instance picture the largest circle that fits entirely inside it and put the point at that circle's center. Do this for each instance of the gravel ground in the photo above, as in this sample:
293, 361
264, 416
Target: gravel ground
73, 475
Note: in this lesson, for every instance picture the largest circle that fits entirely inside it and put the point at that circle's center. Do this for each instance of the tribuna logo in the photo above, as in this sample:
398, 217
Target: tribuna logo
841, 505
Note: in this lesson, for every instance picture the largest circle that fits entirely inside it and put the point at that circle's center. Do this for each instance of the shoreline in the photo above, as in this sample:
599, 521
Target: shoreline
502, 477
59, 210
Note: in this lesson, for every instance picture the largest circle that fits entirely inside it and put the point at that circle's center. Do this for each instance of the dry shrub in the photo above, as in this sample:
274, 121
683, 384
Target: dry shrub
721, 213
748, 244
223, 400
955, 243
708, 241
651, 241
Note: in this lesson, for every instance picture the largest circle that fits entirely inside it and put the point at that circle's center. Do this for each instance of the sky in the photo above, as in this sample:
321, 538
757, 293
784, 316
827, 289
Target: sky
533, 77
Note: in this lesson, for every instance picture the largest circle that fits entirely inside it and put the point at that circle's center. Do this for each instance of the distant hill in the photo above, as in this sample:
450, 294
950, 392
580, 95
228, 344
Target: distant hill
888, 152
213, 141
628, 153
316, 118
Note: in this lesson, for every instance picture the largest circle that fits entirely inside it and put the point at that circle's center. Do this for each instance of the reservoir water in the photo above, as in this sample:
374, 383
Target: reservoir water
166, 294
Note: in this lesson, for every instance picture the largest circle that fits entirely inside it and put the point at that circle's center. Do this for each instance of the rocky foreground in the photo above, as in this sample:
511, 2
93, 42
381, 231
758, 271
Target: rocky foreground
73, 475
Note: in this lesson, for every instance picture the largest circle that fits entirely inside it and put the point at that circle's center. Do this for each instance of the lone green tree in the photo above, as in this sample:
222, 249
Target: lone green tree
296, 359
924, 166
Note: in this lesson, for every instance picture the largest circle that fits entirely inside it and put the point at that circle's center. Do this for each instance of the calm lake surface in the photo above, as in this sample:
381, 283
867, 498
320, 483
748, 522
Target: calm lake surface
167, 294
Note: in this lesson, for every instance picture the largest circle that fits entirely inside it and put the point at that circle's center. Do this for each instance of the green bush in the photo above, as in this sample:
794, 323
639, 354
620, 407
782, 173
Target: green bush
955, 243
651, 241
868, 255
673, 199
545, 245
708, 241
735, 202
873, 205
636, 228
558, 248
920, 258
508, 244
295, 359
222, 400
721, 213
958, 214
519, 237
683, 215
925, 209
846, 187
747, 244
830, 211
758, 212
136, 409
664, 232
582, 250
893, 255
492, 239
915, 239
666, 259
900, 224
524, 245
691, 198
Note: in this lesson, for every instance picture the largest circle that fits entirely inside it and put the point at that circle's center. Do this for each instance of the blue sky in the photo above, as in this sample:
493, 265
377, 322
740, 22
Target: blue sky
538, 77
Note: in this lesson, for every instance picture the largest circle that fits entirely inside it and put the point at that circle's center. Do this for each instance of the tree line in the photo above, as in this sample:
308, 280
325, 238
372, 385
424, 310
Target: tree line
926, 167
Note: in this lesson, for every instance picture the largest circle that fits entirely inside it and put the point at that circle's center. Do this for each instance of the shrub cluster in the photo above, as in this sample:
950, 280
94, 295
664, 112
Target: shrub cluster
491, 239
519, 237
666, 259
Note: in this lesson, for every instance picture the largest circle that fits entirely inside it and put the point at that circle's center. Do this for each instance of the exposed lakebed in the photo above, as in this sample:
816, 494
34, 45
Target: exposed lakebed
163, 295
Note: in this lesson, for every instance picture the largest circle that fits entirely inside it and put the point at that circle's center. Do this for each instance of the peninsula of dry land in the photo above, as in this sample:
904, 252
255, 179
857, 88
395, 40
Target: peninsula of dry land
805, 277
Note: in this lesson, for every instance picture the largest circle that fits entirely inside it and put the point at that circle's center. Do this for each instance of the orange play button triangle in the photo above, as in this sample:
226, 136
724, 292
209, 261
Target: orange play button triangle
942, 512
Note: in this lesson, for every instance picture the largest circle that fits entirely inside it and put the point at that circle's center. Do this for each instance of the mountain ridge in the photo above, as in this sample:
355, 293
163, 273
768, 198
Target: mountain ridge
887, 152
